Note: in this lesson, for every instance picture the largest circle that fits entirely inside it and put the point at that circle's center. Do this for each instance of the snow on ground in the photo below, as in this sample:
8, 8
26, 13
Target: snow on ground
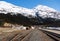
53, 29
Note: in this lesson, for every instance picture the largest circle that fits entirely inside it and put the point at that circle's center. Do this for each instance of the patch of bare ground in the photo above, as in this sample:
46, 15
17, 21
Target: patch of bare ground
6, 34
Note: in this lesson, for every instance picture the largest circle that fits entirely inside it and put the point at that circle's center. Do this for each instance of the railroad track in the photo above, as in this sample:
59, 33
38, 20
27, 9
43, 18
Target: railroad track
30, 35
20, 36
14, 36
37, 35
54, 36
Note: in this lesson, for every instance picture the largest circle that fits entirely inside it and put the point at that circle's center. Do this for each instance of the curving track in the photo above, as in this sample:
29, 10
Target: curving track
30, 35
37, 35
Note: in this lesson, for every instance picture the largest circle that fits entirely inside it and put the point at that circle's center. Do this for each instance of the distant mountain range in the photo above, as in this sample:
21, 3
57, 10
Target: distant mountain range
38, 15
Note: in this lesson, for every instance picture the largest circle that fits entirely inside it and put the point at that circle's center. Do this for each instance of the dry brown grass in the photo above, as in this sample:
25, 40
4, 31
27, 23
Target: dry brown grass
8, 30
8, 33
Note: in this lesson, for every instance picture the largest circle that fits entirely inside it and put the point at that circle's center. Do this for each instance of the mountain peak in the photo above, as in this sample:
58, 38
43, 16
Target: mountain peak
8, 7
44, 8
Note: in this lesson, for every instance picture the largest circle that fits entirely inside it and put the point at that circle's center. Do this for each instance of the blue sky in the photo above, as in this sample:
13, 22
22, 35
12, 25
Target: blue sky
32, 3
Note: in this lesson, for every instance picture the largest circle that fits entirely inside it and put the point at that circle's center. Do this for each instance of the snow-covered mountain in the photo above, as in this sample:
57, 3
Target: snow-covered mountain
45, 11
41, 10
6, 7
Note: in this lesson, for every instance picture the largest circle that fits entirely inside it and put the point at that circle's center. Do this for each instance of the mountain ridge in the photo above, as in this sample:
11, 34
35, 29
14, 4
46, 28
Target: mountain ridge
19, 15
43, 11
